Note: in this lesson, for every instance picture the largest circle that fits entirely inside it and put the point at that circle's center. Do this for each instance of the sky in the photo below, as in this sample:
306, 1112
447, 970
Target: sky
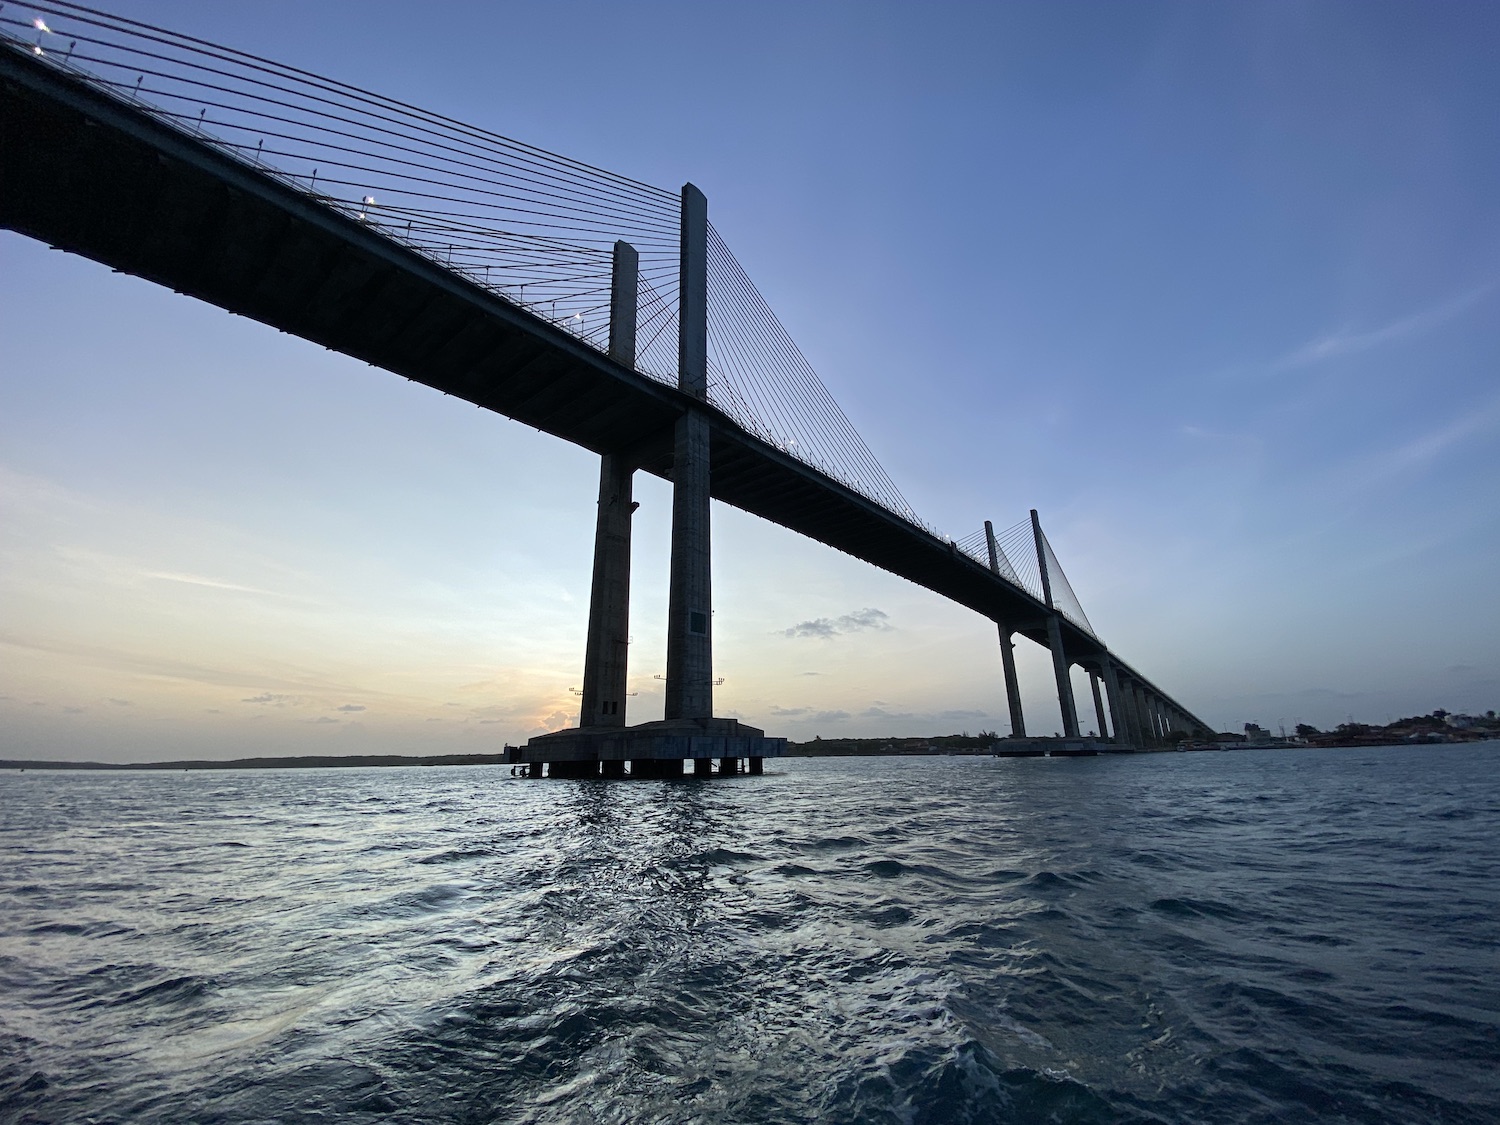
1214, 287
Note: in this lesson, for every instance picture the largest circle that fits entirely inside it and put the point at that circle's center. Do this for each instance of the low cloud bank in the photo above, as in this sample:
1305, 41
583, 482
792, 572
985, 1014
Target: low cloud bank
826, 628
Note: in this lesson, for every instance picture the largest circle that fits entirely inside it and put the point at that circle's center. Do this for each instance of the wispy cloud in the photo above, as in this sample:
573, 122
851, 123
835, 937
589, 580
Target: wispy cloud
1379, 468
826, 628
210, 583
1347, 341
352, 707
1433, 444
169, 668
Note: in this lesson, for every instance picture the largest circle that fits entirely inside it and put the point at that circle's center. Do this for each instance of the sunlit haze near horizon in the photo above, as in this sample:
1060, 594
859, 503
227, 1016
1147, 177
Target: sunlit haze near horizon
1214, 287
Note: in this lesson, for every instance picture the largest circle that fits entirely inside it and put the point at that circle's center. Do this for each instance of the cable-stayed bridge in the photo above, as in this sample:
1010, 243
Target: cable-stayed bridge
602, 310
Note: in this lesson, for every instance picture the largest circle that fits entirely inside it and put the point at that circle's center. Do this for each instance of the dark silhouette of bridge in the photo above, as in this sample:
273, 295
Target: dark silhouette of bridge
601, 310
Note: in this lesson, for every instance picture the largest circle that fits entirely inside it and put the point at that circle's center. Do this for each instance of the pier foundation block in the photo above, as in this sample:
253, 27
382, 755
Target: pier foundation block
659, 749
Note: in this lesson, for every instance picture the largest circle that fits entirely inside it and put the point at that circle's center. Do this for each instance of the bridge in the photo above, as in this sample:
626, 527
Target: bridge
604, 311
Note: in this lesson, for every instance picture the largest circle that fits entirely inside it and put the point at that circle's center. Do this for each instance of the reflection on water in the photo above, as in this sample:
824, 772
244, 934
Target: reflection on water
1225, 937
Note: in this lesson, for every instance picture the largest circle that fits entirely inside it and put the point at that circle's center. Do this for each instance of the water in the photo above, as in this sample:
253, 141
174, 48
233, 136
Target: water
1252, 936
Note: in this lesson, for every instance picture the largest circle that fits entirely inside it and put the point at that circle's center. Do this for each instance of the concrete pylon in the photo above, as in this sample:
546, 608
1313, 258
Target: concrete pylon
1148, 735
1129, 719
690, 669
607, 652
1138, 713
1054, 638
1098, 703
1007, 648
1119, 724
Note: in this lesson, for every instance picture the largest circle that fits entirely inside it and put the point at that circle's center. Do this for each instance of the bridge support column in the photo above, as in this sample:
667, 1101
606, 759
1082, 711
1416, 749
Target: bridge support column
1098, 704
1143, 716
757, 767
1054, 639
606, 656
1130, 722
1060, 669
1007, 649
1012, 684
1119, 725
689, 693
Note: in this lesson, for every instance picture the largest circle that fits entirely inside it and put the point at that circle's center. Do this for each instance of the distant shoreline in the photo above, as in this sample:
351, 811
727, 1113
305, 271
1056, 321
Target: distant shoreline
308, 761
841, 748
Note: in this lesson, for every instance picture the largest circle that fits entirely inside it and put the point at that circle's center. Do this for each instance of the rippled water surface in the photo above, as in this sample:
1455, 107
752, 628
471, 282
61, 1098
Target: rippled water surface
1250, 936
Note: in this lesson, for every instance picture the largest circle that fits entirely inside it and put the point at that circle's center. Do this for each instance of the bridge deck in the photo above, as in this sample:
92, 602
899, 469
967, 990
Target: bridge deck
91, 174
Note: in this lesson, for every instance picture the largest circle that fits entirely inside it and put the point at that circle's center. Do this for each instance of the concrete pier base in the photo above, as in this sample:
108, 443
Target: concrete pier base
658, 749
1053, 748
757, 766
573, 769
656, 767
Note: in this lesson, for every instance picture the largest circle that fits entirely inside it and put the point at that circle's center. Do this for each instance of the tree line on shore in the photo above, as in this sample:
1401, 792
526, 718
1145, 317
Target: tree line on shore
1438, 727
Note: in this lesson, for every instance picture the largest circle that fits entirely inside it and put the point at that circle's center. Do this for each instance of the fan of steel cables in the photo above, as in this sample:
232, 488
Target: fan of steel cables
1063, 599
1016, 562
528, 225
759, 377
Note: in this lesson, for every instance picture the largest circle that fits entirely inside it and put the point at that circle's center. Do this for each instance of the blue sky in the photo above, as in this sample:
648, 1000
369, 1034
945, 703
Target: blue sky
1215, 287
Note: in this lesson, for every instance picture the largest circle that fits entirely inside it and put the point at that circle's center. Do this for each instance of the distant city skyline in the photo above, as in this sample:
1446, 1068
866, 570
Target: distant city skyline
1213, 288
